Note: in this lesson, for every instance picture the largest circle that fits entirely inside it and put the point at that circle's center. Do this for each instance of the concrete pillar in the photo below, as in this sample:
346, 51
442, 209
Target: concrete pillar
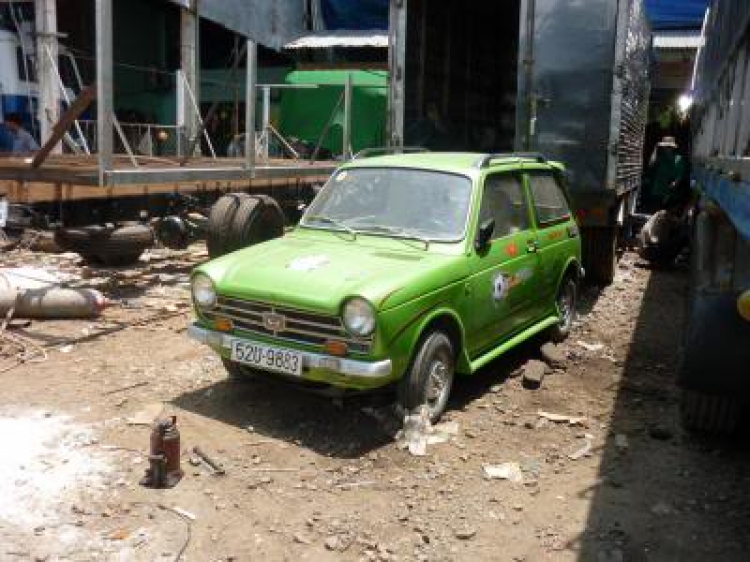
47, 55
104, 88
190, 66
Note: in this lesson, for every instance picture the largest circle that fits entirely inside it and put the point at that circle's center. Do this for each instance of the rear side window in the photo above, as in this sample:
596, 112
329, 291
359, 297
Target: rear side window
549, 200
504, 201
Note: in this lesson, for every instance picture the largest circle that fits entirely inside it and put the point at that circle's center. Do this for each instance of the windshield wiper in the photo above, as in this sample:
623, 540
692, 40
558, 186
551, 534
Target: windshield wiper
398, 233
333, 222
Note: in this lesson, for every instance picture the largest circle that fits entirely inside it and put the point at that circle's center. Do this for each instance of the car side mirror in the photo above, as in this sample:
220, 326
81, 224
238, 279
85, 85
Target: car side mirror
486, 230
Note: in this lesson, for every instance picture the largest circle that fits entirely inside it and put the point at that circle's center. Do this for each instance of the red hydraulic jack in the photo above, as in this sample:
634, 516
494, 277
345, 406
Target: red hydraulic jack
164, 458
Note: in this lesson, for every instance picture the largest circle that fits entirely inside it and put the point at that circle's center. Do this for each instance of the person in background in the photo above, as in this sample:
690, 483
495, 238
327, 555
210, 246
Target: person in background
15, 139
666, 177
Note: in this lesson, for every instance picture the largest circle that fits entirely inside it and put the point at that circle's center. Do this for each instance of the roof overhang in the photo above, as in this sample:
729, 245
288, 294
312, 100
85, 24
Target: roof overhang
341, 38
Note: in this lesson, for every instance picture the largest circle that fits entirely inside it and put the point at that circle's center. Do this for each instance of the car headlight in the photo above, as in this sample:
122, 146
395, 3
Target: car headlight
359, 317
204, 293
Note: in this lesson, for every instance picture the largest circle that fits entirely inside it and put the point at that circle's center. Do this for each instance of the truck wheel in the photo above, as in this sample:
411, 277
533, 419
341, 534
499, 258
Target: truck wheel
107, 245
236, 371
566, 302
430, 377
220, 223
600, 254
709, 413
258, 219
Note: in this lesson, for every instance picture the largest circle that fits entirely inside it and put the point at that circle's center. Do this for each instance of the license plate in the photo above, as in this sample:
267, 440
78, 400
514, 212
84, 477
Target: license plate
266, 357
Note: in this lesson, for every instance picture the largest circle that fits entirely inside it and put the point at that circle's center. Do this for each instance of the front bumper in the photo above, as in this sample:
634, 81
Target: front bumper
310, 361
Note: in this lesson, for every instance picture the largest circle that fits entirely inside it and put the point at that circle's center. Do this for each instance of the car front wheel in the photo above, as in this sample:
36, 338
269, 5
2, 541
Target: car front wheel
430, 378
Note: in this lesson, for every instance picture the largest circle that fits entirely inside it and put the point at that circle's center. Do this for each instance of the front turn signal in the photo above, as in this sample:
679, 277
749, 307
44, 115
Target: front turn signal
223, 324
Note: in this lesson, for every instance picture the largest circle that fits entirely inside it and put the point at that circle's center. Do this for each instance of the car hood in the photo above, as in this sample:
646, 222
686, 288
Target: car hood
320, 273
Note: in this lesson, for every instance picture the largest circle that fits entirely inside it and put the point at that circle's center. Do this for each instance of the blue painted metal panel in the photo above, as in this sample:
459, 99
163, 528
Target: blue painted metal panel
733, 197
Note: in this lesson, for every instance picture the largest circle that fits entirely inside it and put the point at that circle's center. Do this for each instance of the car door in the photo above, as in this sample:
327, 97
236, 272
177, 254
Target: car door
498, 298
555, 234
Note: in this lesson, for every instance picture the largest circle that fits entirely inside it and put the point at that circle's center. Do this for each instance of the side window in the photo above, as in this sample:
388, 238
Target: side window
504, 201
549, 201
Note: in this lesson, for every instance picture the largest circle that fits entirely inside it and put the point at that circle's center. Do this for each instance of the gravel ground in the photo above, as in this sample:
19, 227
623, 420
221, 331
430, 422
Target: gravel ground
309, 478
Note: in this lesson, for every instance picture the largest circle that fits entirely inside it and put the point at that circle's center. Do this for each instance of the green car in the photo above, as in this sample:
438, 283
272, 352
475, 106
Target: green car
405, 270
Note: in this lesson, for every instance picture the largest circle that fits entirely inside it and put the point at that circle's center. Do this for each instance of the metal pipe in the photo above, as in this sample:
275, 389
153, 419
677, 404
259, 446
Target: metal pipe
528, 62
397, 66
266, 120
250, 103
347, 132
104, 87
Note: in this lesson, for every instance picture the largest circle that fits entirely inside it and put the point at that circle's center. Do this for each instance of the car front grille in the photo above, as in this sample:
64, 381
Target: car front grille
288, 324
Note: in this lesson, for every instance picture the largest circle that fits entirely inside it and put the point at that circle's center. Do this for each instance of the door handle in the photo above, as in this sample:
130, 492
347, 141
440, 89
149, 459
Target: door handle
532, 246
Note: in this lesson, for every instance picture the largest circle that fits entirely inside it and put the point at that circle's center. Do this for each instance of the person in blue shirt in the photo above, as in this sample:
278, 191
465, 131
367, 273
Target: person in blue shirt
14, 139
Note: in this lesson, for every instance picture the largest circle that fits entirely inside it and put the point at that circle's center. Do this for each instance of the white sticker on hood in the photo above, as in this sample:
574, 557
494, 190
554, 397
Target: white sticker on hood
308, 263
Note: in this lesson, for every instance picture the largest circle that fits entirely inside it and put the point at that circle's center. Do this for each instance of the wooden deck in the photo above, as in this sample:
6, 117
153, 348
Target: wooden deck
68, 177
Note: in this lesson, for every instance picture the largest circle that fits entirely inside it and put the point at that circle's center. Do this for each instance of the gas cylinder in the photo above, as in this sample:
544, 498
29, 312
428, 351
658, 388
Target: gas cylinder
164, 457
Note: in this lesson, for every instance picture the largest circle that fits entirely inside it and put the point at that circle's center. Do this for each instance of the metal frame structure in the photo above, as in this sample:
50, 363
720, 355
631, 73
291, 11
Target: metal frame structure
109, 169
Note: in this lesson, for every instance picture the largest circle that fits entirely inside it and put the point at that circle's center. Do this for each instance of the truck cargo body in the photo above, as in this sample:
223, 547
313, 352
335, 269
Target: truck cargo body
568, 79
714, 371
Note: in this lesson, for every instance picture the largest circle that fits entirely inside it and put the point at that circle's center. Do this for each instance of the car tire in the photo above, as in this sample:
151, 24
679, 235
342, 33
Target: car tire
220, 221
709, 413
565, 302
429, 379
112, 246
237, 372
259, 218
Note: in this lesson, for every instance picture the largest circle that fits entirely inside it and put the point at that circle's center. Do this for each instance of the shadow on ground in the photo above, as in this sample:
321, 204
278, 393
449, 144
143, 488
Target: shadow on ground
668, 495
337, 428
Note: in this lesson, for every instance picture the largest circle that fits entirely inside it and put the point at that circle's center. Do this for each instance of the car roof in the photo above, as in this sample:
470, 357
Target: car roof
465, 163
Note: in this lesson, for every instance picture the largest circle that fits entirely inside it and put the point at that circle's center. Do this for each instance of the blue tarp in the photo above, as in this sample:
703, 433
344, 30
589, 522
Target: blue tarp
373, 14
356, 14
676, 14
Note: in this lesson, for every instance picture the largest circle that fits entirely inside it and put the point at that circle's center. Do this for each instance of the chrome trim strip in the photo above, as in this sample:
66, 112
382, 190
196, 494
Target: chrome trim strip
349, 367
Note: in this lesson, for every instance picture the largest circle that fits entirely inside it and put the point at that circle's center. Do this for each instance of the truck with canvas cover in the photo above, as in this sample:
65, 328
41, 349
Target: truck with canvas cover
714, 366
568, 79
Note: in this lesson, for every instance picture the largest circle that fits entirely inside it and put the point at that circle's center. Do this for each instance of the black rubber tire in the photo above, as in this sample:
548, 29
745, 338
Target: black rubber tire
600, 254
114, 246
220, 222
237, 372
560, 332
709, 413
259, 218
413, 388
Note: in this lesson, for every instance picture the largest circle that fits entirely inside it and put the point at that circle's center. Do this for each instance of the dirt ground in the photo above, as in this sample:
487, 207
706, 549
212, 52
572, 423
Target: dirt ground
309, 478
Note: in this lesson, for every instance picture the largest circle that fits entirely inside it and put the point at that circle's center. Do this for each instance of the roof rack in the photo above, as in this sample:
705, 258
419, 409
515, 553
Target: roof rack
487, 159
377, 151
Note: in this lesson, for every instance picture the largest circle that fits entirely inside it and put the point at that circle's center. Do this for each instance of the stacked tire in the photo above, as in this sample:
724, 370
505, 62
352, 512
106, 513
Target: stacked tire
239, 220
107, 245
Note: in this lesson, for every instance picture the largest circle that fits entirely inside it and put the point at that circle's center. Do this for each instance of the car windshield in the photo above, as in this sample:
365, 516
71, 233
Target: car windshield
419, 204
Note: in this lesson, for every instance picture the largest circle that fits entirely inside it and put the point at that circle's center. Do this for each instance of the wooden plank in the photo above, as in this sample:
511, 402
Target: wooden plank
75, 110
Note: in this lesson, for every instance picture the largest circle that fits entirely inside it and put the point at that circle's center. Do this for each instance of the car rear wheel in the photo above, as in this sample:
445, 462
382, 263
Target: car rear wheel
430, 378
566, 302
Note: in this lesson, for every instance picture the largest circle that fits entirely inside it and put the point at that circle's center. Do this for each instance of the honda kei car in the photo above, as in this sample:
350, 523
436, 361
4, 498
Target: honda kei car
406, 270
